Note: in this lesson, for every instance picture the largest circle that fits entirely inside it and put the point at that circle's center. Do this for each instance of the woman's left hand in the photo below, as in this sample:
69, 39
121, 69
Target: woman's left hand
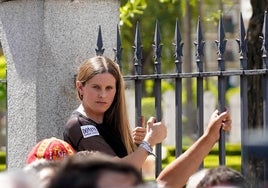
139, 133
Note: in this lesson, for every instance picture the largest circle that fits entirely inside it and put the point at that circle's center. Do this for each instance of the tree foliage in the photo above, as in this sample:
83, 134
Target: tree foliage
2, 84
146, 14
255, 172
166, 12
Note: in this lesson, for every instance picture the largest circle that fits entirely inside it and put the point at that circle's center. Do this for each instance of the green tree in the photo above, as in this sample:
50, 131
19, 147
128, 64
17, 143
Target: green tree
160, 9
166, 12
255, 99
146, 13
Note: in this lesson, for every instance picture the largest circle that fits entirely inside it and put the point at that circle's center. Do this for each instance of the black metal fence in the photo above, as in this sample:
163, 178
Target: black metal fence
221, 74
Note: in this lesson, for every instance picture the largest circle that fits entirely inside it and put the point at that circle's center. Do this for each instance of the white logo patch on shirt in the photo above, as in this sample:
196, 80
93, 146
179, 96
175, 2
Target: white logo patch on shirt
89, 130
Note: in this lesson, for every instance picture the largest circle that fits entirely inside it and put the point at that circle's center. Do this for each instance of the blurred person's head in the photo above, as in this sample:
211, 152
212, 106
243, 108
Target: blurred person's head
17, 179
95, 170
43, 170
222, 176
196, 178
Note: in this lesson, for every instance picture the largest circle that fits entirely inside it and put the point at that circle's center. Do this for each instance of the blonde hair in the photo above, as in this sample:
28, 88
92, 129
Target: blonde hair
116, 116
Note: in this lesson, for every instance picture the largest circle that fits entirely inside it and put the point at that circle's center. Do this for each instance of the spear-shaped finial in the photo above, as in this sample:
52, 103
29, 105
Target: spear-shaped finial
221, 42
157, 48
242, 43
118, 49
200, 43
137, 50
178, 47
99, 50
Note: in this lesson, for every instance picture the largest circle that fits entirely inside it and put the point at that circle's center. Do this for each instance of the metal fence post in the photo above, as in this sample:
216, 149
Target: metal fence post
157, 46
200, 93
138, 66
178, 90
243, 93
221, 43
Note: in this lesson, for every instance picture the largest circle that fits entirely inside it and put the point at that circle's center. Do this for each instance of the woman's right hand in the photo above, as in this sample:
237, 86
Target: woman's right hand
217, 122
156, 131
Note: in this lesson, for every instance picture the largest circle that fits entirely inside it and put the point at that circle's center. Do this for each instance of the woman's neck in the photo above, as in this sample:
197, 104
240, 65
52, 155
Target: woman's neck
82, 110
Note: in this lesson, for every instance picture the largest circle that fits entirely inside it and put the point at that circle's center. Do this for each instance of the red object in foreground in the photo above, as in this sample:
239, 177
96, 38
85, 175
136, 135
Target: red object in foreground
50, 149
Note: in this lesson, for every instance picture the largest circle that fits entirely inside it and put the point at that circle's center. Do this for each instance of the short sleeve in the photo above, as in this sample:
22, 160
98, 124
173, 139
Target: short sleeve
85, 137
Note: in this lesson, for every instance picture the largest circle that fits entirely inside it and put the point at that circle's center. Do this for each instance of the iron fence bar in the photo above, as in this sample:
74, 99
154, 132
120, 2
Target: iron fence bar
138, 68
118, 49
265, 88
200, 101
221, 74
178, 91
242, 44
99, 50
157, 46
221, 43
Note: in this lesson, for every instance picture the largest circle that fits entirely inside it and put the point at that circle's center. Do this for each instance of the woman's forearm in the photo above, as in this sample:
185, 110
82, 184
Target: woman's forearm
137, 158
177, 172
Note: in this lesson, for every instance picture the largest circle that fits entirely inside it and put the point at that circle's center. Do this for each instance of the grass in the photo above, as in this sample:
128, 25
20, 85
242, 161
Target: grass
2, 161
232, 157
2, 167
232, 161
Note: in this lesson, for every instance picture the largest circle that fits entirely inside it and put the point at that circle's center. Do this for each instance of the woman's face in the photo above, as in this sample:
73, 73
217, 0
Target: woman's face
98, 94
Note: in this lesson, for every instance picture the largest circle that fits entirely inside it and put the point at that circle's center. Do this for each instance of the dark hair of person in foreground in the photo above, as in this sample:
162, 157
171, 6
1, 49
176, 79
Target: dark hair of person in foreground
95, 171
223, 176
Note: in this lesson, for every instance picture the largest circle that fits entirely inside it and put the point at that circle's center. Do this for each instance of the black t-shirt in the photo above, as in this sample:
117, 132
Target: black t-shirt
83, 133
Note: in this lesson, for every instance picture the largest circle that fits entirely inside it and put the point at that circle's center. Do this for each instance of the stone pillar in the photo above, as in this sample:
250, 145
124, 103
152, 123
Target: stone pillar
44, 41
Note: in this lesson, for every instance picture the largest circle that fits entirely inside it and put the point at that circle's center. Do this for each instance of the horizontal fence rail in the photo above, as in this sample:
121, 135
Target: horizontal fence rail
198, 74
221, 74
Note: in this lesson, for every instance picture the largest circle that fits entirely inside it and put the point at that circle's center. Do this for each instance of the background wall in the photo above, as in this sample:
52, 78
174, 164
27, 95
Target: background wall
44, 42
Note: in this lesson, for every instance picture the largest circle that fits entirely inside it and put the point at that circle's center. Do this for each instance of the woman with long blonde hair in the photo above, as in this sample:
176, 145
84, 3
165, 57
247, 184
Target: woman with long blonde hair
100, 123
